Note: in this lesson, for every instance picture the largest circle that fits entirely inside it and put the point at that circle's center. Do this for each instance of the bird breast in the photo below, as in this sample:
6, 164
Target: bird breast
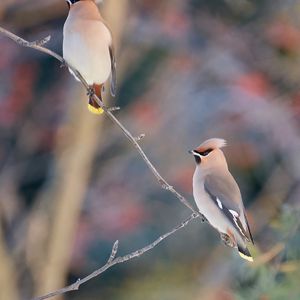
86, 48
209, 209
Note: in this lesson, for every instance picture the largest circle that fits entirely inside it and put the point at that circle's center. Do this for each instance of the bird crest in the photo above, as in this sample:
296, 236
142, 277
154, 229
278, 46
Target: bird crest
213, 143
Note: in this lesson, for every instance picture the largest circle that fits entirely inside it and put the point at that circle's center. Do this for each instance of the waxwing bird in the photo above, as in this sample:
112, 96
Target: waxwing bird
218, 196
87, 47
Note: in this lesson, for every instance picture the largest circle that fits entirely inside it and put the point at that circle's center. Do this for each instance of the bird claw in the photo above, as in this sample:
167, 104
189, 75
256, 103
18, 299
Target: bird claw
90, 92
227, 240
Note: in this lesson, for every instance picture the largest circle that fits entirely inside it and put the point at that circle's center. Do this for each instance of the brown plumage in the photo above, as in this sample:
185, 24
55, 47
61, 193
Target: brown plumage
87, 46
218, 197
213, 143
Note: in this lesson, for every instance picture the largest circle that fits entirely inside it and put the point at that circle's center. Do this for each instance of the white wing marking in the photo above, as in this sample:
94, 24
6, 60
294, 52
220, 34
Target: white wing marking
219, 203
235, 216
234, 213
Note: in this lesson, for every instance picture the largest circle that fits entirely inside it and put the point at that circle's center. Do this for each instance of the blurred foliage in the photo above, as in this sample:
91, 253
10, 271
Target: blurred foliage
280, 278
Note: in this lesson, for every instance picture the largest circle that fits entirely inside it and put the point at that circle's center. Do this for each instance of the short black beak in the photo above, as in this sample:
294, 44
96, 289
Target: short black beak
191, 151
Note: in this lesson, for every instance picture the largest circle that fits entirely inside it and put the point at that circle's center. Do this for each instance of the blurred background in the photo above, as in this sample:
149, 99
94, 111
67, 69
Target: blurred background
71, 184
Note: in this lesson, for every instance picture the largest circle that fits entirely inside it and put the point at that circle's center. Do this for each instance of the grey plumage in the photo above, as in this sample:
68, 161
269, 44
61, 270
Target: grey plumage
218, 196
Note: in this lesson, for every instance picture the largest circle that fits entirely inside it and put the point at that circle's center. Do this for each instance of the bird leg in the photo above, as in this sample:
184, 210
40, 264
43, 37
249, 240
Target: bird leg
227, 240
96, 90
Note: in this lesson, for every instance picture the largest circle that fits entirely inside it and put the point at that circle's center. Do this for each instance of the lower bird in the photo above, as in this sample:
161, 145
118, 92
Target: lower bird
87, 47
218, 196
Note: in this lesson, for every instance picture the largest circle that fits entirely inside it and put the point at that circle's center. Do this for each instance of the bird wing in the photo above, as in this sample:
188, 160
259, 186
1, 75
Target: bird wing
226, 195
113, 76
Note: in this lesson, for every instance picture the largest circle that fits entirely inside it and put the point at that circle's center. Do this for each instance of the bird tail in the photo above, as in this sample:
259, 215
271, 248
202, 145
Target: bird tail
244, 253
93, 106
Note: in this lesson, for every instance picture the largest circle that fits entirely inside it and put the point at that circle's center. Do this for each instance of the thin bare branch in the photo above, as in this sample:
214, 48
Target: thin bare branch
113, 251
37, 46
114, 108
34, 45
120, 259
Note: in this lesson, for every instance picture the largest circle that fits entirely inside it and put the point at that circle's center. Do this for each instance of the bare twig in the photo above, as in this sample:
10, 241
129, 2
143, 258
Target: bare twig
140, 137
120, 259
37, 45
114, 108
113, 252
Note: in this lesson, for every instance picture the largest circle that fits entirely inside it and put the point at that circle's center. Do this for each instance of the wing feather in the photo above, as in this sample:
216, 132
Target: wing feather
113, 76
227, 197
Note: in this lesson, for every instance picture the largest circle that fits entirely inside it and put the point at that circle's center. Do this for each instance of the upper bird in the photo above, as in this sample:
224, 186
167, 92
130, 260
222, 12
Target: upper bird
87, 47
218, 196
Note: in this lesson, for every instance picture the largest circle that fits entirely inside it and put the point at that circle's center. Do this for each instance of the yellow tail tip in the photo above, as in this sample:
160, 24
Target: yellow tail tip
94, 110
248, 258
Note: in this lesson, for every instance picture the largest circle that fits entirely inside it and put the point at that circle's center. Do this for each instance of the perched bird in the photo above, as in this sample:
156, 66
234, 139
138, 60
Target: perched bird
87, 47
218, 196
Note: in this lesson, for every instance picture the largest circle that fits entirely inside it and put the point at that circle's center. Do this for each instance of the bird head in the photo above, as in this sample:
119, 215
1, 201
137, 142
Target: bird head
209, 153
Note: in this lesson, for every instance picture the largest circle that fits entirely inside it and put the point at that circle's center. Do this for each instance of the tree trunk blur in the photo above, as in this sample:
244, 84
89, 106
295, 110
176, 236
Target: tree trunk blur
75, 153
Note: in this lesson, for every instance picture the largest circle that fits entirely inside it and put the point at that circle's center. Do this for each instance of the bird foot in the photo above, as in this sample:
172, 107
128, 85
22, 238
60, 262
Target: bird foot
90, 92
227, 241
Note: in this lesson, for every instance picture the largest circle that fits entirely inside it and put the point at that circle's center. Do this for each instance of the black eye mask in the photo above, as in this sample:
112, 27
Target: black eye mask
206, 152
70, 2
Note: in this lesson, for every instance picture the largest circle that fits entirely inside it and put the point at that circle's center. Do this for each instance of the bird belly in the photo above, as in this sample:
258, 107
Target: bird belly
87, 51
214, 215
211, 212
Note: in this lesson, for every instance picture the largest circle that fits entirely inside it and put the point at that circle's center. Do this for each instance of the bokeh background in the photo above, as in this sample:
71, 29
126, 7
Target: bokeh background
71, 184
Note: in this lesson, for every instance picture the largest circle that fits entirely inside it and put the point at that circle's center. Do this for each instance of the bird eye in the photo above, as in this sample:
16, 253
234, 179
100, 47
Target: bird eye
205, 153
